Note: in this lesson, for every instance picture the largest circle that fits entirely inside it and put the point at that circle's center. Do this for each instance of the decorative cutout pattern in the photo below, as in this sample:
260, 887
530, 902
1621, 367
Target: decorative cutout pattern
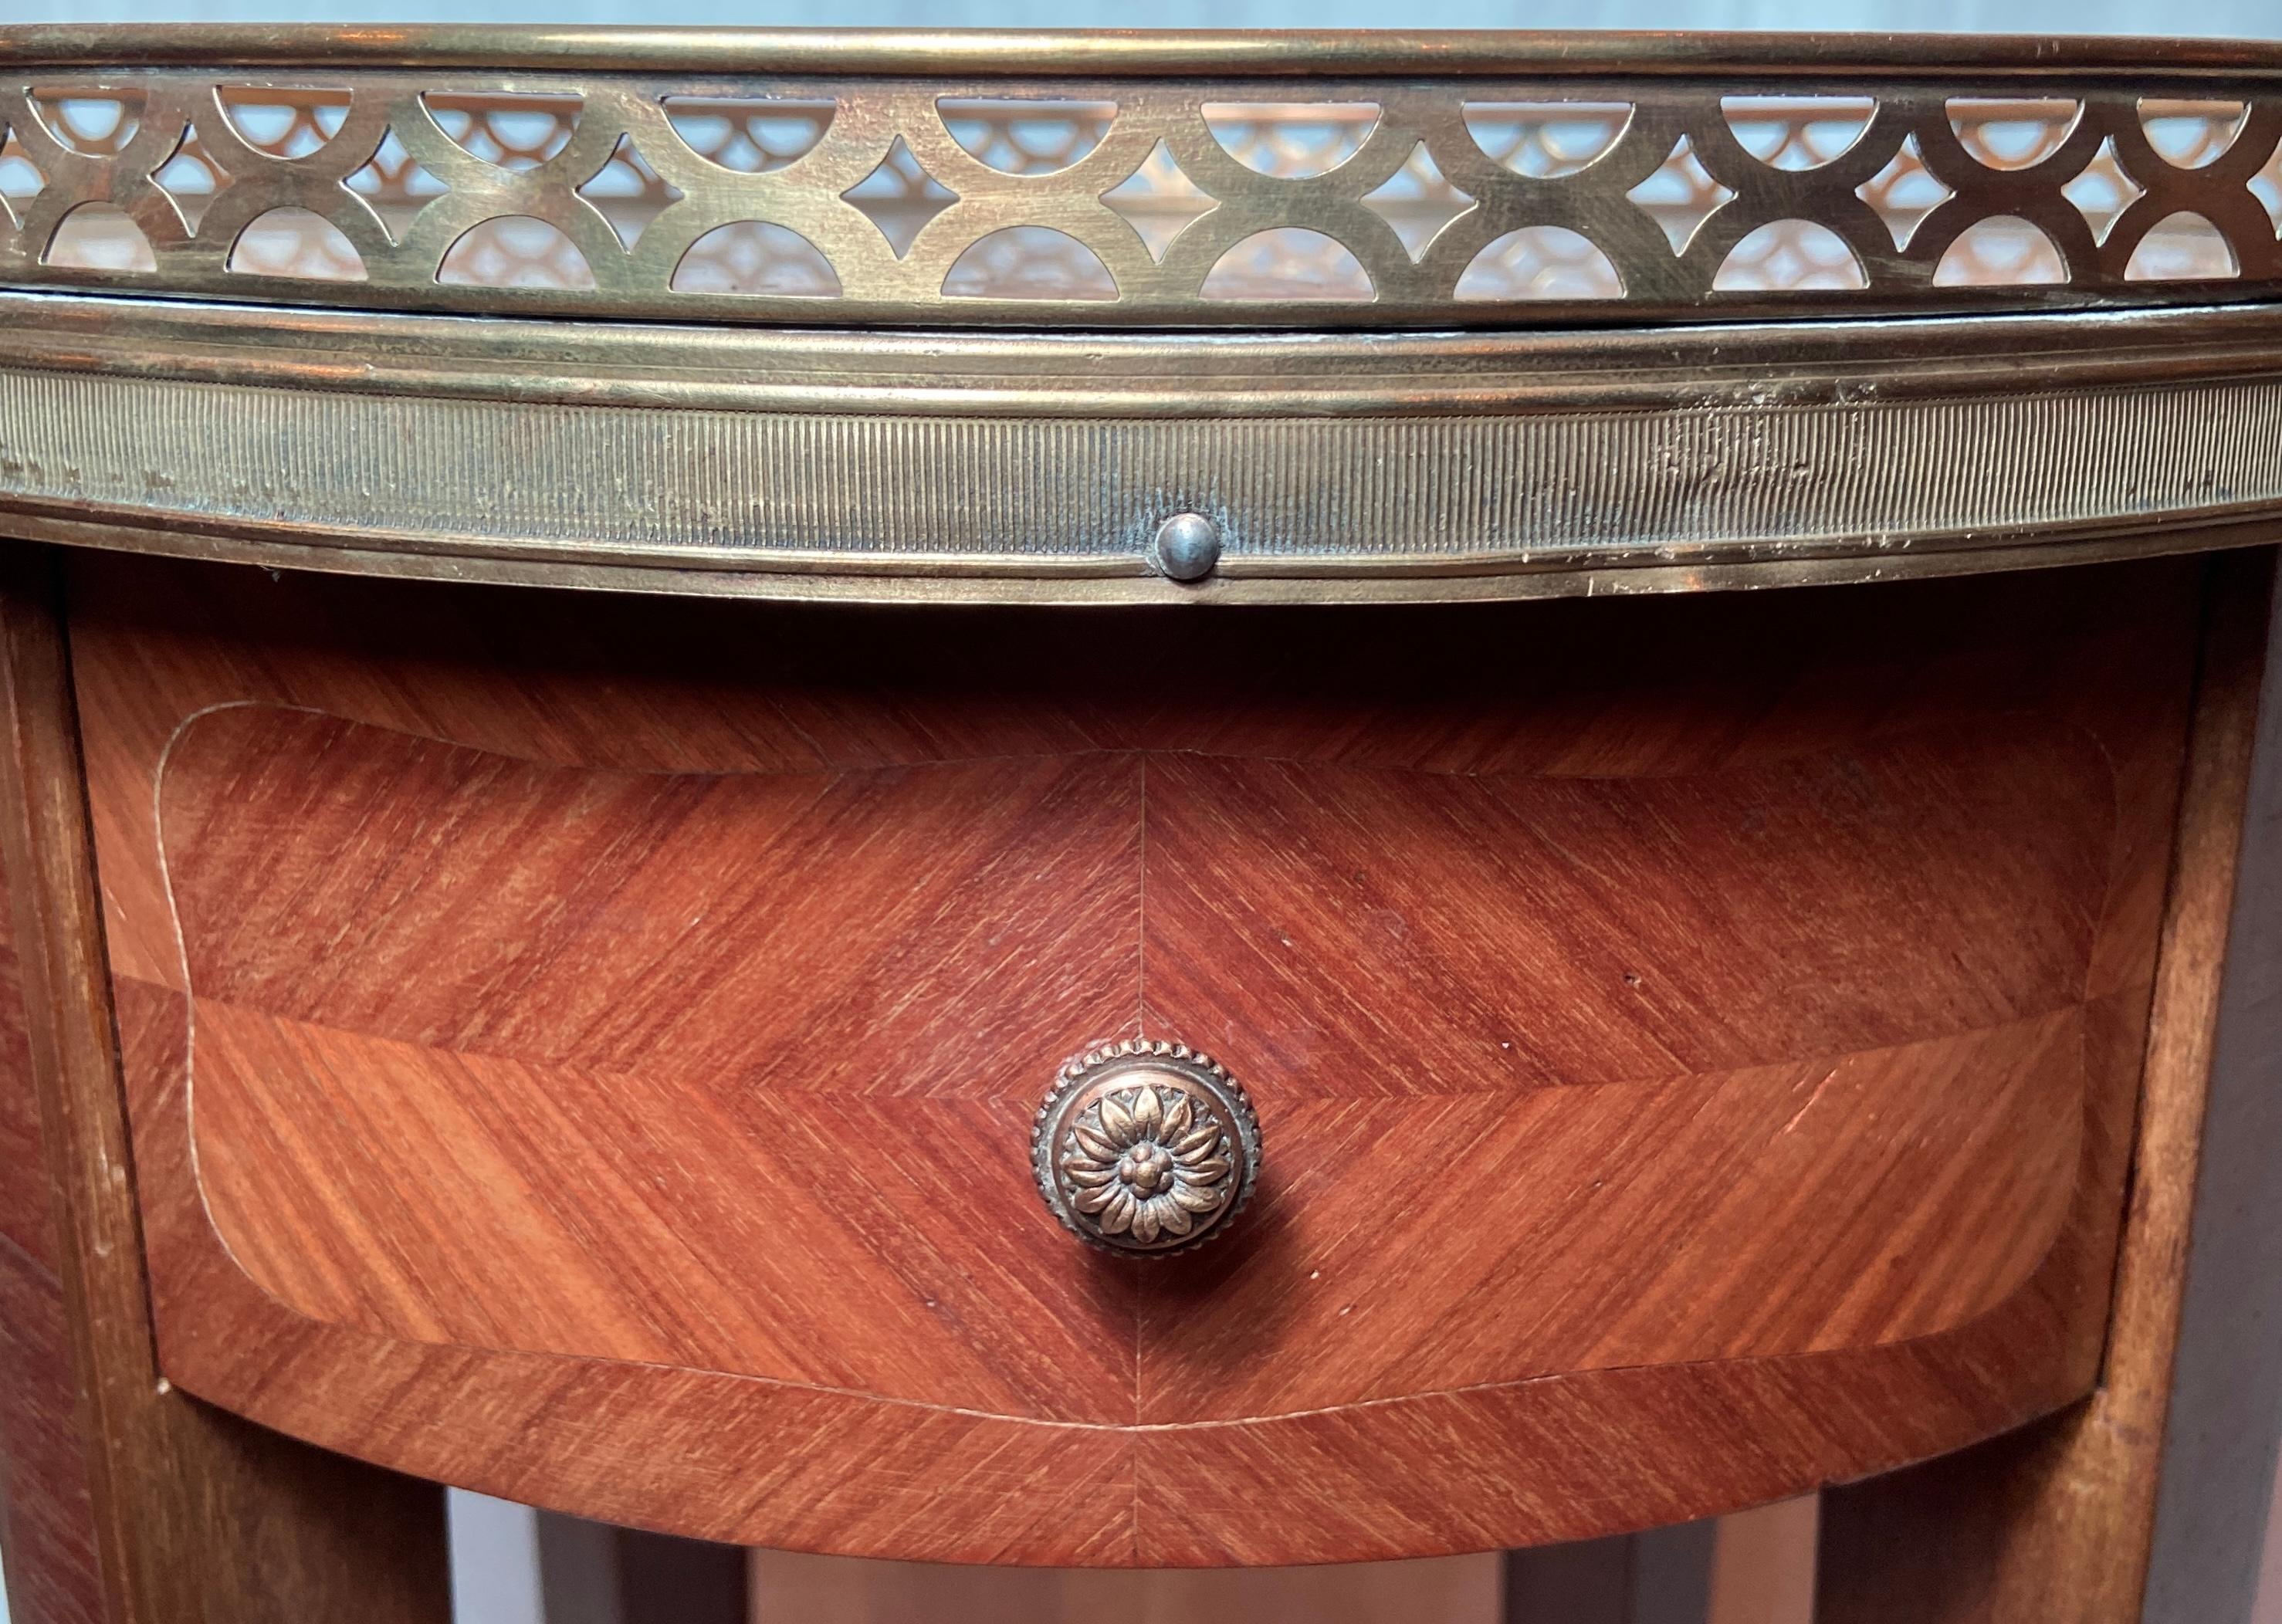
1546, 140
750, 135
1418, 201
286, 123
1791, 253
295, 242
1798, 132
2184, 248
20, 181
753, 258
1026, 137
2005, 249
900, 196
1029, 262
2102, 190
1373, 202
1541, 262
96, 122
100, 236
396, 188
2189, 134
190, 178
516, 251
1681, 196
1905, 192
1291, 141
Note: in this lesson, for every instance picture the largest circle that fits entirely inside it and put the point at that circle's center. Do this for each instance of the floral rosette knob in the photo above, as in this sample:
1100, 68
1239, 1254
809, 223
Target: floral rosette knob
1145, 1146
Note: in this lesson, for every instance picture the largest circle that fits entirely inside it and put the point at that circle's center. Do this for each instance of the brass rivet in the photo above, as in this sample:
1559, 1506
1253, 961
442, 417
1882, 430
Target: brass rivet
1187, 547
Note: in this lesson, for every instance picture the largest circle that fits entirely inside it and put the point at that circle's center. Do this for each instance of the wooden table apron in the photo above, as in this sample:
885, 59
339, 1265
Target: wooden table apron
585, 1054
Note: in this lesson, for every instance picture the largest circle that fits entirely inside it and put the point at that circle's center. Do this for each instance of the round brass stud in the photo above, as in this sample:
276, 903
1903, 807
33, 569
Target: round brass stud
1187, 547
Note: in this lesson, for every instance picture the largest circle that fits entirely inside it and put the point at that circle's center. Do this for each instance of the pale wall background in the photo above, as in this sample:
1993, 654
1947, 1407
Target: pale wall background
495, 1545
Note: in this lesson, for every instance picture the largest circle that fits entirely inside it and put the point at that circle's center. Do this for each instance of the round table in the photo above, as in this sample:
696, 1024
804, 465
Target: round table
700, 945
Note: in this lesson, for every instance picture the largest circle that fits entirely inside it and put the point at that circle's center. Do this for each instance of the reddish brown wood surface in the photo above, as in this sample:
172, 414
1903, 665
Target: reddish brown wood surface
190, 1516
47, 1519
2059, 1519
1694, 1042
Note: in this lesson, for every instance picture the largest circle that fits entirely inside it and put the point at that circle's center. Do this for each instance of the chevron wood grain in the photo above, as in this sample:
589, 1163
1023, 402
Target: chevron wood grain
1696, 1044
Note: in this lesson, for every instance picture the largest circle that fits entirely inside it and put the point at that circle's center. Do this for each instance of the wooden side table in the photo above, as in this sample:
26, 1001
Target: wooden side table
875, 793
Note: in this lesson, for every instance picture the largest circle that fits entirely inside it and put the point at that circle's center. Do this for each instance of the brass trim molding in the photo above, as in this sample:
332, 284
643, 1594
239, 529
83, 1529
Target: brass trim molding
1101, 376
980, 468
1015, 51
1138, 317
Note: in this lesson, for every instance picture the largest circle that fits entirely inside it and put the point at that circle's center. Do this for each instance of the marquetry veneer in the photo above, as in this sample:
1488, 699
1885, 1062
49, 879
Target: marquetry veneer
584, 1049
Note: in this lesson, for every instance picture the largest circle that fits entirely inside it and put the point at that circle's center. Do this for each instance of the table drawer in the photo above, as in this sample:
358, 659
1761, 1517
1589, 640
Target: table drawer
1693, 1053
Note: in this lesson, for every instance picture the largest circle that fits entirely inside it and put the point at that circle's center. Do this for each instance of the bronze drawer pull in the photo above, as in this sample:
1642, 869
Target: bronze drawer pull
1145, 1146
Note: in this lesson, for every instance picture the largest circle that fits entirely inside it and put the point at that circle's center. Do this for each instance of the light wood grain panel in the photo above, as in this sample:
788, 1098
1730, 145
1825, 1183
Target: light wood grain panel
736, 1459
703, 687
791, 1589
24, 1197
1917, 830
1574, 1456
449, 1198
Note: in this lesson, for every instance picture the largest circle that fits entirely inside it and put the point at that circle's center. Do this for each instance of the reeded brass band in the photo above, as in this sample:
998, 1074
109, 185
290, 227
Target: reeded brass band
662, 461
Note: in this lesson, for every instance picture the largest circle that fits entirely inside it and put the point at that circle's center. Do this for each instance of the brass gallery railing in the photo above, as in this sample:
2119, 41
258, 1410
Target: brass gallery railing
1333, 199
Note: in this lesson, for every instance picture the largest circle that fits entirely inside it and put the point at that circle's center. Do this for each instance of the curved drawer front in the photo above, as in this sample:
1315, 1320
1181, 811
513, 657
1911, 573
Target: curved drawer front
786, 1032
636, 1019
